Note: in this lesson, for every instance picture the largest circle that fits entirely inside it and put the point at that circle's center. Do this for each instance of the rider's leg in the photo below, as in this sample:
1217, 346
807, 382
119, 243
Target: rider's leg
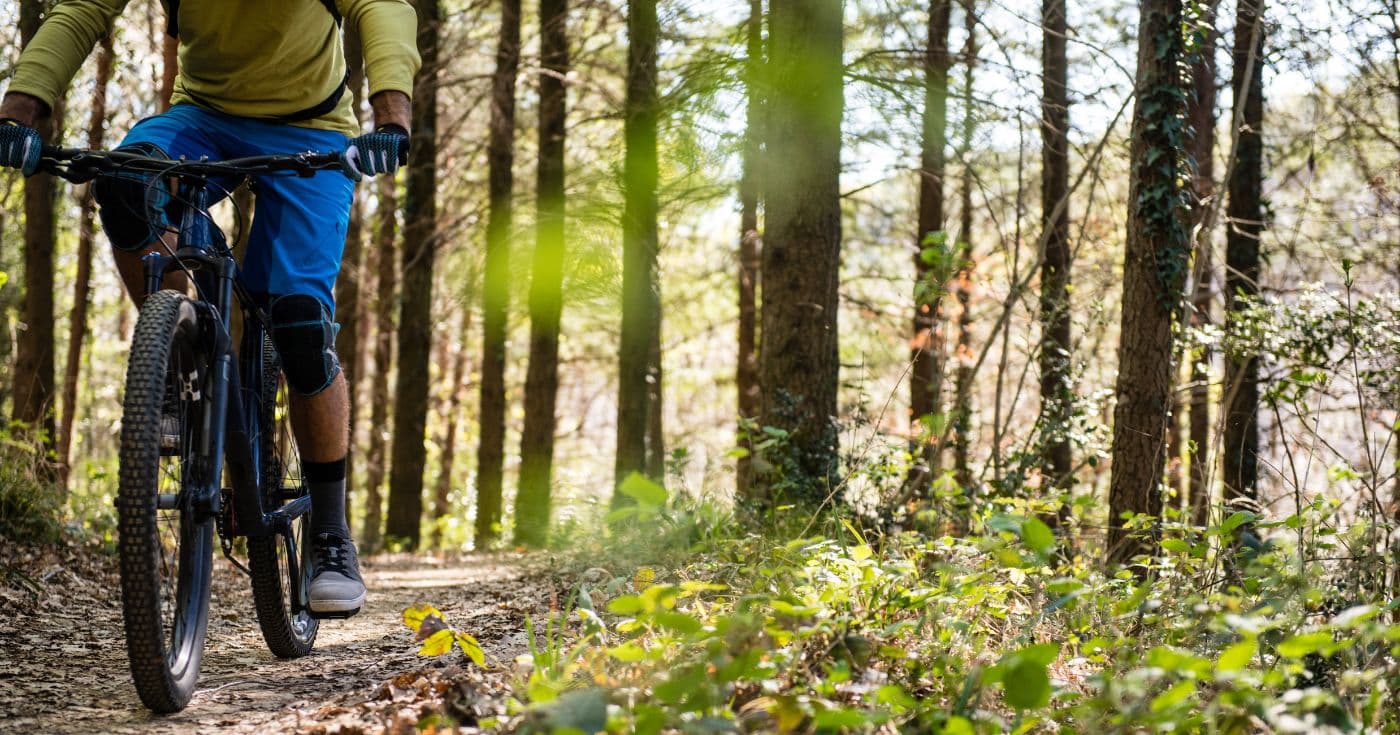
294, 248
138, 211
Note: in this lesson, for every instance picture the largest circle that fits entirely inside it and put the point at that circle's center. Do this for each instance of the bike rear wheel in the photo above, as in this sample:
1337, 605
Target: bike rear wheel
166, 549
280, 562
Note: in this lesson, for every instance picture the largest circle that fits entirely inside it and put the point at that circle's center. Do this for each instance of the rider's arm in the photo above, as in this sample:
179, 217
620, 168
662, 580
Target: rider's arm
388, 32
56, 52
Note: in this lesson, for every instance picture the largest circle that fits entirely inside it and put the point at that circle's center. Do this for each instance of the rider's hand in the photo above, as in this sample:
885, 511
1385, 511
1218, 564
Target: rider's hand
20, 146
380, 152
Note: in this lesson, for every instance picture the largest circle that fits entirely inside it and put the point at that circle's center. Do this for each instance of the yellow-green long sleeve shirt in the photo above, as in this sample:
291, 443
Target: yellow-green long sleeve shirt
250, 58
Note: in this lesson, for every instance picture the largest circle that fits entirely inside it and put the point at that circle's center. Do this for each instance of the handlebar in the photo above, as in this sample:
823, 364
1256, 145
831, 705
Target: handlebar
80, 166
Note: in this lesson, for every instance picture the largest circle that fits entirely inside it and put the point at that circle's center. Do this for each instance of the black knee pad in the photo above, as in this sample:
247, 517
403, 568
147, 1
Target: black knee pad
135, 208
304, 336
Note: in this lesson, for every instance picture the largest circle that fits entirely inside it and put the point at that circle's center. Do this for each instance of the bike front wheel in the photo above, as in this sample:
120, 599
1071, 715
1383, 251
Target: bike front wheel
166, 548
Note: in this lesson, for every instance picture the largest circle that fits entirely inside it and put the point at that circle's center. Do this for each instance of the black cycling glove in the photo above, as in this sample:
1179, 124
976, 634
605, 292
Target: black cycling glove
380, 152
20, 146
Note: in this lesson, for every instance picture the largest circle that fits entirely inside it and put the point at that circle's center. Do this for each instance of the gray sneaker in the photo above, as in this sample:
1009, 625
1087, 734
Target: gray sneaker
336, 589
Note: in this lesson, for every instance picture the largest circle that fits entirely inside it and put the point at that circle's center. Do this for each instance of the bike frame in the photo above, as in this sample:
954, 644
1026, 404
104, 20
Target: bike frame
232, 427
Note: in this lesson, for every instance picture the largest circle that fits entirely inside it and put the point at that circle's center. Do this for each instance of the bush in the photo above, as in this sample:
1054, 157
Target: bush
29, 501
994, 632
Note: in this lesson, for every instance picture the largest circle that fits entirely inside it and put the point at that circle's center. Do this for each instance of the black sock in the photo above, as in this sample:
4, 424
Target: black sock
326, 481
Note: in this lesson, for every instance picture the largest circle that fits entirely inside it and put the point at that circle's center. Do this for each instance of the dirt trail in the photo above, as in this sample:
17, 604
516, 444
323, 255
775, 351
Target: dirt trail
63, 663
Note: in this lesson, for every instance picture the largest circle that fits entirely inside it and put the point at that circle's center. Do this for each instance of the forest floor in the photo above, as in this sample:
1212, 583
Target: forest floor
63, 661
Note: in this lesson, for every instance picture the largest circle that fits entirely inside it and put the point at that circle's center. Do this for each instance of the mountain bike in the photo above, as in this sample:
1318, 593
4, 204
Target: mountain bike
195, 406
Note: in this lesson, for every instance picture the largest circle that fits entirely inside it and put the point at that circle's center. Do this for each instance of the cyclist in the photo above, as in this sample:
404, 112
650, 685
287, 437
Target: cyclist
256, 77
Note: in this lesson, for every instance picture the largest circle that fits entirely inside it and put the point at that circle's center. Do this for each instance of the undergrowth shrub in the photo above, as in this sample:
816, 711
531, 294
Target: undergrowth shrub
29, 500
993, 632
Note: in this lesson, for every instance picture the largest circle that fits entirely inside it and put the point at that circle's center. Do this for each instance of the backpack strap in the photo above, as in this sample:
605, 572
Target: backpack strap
172, 15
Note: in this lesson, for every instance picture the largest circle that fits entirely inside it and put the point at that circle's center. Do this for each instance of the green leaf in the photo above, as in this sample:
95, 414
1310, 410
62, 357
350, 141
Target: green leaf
841, 718
1023, 674
643, 490
1238, 656
628, 652
678, 622
1305, 643
1027, 684
625, 605
1038, 536
1177, 694
583, 711
958, 726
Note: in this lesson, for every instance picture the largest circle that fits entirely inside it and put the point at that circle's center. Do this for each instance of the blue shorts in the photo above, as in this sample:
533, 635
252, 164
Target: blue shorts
298, 230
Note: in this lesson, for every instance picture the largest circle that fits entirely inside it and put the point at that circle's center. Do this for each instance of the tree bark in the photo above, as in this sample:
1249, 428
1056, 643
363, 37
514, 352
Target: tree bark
1201, 115
532, 510
963, 378
385, 265
1246, 222
750, 251
500, 155
927, 351
798, 353
415, 315
34, 354
1153, 272
641, 300
77, 331
1056, 391
442, 491
348, 285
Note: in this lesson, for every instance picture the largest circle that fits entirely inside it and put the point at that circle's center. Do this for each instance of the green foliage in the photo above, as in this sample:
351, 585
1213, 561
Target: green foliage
986, 634
29, 500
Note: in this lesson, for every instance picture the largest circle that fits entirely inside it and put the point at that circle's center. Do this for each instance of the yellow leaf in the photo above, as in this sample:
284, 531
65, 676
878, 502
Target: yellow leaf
643, 578
472, 648
437, 643
413, 617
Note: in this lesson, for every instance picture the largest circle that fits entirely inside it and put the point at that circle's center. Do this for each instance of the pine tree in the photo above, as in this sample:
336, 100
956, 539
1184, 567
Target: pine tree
798, 353
641, 300
532, 509
927, 354
404, 522
1245, 217
1056, 392
500, 155
1153, 275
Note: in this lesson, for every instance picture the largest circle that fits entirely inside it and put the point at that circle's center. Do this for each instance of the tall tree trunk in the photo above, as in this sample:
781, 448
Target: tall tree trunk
415, 315
1153, 271
962, 409
798, 353
385, 265
640, 296
495, 290
77, 331
750, 247
1201, 114
532, 508
348, 285
442, 491
1056, 392
1246, 223
34, 355
927, 353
